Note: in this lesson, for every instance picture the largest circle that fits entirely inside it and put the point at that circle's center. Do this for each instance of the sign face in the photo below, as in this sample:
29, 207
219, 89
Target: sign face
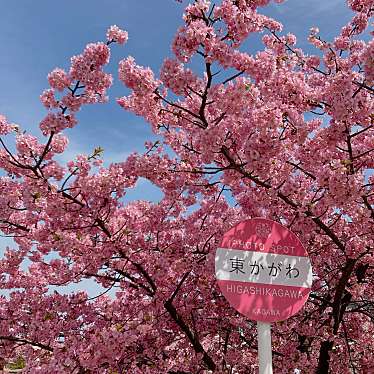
263, 270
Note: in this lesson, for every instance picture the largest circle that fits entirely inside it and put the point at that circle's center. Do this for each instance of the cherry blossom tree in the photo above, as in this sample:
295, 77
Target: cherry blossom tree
279, 134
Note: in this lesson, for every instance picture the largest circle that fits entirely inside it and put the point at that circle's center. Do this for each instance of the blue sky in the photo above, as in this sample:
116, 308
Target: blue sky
37, 36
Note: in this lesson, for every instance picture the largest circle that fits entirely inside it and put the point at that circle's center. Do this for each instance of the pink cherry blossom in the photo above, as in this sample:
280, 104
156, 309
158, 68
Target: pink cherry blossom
59, 79
5, 127
177, 78
56, 123
136, 77
368, 56
48, 99
116, 34
59, 143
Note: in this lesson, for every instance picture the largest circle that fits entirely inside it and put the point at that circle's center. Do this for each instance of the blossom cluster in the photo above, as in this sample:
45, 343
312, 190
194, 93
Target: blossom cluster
85, 83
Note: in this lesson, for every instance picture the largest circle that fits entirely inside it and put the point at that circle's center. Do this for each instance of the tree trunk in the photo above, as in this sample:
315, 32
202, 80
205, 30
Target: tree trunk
324, 357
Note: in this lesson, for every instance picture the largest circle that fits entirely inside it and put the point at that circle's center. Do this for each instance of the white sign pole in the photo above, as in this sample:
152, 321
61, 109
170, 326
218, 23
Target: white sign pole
264, 348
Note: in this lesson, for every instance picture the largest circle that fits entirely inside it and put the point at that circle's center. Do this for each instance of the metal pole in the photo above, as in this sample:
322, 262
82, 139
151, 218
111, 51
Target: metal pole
264, 348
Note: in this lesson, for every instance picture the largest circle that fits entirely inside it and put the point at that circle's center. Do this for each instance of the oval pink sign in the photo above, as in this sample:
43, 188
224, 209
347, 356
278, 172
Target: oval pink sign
263, 270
